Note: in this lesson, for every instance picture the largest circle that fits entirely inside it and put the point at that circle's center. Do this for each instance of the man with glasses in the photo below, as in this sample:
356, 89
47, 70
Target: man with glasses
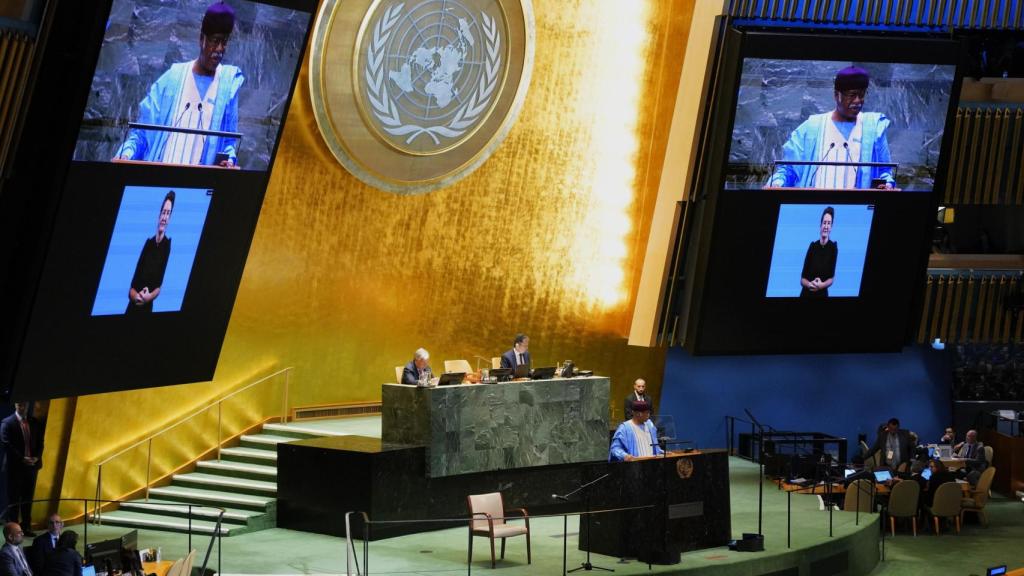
845, 135
44, 544
201, 94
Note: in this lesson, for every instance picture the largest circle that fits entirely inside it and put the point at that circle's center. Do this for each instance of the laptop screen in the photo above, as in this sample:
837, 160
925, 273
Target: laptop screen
996, 571
88, 570
926, 473
849, 472
882, 475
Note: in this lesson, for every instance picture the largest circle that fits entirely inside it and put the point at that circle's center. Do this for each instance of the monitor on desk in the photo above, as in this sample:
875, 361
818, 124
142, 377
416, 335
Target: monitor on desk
501, 374
996, 571
451, 378
883, 475
544, 373
522, 371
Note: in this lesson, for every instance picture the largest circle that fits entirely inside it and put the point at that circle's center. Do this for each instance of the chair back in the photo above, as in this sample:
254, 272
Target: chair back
496, 362
859, 496
457, 366
946, 502
186, 568
175, 569
903, 499
487, 504
988, 455
398, 373
984, 485
864, 448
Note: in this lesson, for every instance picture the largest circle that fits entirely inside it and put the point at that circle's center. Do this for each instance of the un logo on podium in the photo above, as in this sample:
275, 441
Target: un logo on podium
413, 96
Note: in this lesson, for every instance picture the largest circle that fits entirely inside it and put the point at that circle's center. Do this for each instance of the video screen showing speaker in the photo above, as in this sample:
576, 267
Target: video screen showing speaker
839, 124
163, 192
192, 82
814, 229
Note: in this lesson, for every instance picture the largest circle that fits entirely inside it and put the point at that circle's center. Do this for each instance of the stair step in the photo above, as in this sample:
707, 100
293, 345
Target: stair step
213, 497
294, 431
217, 481
171, 523
238, 469
264, 441
251, 455
170, 508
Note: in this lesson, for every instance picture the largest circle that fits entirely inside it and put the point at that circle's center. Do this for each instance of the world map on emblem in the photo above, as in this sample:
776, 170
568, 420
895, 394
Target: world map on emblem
430, 72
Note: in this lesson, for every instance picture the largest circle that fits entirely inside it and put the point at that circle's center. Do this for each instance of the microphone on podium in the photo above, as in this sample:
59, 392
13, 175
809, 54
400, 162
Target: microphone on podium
831, 145
557, 497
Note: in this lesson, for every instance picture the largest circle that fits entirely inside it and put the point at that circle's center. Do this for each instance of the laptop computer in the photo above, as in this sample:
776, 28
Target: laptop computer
451, 378
545, 373
883, 475
996, 571
522, 371
943, 451
88, 570
926, 473
848, 472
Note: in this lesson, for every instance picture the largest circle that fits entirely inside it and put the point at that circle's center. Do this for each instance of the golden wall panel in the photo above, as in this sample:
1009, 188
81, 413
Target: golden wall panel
344, 281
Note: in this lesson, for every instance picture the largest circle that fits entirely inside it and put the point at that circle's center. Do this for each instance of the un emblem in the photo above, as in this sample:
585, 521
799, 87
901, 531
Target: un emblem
413, 96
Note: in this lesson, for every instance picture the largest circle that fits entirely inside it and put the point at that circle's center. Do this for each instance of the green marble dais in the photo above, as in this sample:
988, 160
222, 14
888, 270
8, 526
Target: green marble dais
476, 428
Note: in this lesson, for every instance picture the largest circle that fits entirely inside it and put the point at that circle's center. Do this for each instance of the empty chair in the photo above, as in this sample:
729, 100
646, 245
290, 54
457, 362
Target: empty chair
186, 568
860, 495
979, 496
903, 503
458, 366
175, 569
946, 504
496, 362
988, 455
487, 512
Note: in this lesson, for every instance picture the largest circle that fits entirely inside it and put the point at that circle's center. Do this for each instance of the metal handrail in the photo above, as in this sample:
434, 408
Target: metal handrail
97, 512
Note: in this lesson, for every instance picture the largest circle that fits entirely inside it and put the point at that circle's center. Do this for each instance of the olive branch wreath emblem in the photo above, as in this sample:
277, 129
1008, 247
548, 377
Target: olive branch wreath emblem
385, 109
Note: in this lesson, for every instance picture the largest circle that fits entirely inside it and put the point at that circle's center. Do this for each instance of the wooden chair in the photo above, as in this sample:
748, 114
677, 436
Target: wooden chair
496, 362
988, 455
487, 519
979, 496
859, 495
458, 366
903, 503
398, 373
186, 567
175, 569
946, 504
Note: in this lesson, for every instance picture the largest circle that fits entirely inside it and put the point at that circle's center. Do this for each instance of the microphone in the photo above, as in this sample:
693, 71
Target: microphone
183, 110
831, 145
557, 497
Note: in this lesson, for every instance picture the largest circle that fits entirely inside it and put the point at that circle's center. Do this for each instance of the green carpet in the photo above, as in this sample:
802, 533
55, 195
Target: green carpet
279, 551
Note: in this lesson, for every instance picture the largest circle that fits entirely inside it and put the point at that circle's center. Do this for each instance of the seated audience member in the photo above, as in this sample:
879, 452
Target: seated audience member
970, 448
12, 559
940, 475
895, 444
635, 437
948, 437
418, 370
64, 560
639, 394
519, 355
45, 543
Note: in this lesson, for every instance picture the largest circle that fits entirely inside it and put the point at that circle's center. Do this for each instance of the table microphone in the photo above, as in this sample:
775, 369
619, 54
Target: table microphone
557, 497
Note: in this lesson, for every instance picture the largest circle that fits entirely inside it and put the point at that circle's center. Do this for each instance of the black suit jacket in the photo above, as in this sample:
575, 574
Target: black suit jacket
629, 403
62, 562
906, 445
42, 547
508, 359
14, 442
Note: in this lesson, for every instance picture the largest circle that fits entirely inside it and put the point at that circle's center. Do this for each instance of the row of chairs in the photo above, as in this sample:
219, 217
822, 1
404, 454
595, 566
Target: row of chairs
948, 501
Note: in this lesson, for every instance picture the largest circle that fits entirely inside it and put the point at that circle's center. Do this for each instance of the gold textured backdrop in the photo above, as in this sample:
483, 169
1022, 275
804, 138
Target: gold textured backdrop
344, 281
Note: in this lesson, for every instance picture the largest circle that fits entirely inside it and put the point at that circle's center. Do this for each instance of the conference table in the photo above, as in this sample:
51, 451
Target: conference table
840, 488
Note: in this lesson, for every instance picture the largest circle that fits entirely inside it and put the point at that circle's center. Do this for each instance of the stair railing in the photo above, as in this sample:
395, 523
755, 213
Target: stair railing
215, 405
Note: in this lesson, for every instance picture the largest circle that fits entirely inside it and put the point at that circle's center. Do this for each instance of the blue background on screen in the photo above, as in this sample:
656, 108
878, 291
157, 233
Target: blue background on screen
798, 225
136, 221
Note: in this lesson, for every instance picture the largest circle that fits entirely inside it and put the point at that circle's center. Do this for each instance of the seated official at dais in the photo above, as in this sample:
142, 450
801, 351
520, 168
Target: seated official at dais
636, 437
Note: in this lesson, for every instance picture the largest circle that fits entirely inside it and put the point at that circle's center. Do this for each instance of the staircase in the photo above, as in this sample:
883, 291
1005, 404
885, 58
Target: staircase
243, 482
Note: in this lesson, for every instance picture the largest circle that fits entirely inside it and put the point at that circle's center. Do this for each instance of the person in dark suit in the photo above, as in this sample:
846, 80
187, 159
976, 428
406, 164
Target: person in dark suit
45, 543
64, 560
22, 437
519, 354
894, 443
12, 559
418, 370
939, 476
639, 395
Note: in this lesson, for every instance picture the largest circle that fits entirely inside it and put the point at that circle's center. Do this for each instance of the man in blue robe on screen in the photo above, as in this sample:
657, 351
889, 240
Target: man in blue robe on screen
636, 437
201, 94
844, 135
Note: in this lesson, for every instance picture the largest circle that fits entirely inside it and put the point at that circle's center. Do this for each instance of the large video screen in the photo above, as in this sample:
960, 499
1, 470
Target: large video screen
169, 169
838, 124
824, 178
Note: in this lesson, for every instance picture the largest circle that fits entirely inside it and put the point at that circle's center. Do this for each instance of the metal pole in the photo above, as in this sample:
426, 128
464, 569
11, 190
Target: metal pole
219, 429
149, 463
189, 528
284, 407
85, 522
